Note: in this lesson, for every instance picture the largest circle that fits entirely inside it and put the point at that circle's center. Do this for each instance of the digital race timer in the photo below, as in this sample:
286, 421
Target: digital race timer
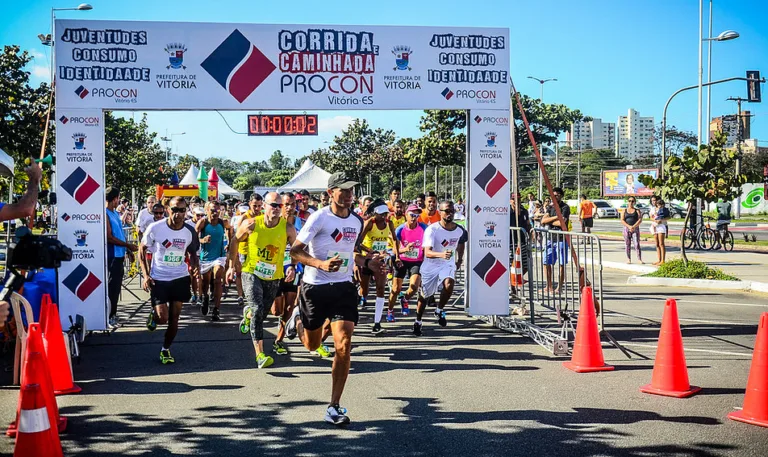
282, 124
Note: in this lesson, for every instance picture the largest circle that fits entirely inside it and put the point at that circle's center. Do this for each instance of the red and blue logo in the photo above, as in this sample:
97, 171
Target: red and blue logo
238, 66
81, 282
490, 180
490, 269
447, 93
80, 185
81, 92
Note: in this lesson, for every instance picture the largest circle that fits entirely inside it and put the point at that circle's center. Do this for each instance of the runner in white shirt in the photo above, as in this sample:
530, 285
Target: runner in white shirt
145, 215
443, 253
170, 241
331, 236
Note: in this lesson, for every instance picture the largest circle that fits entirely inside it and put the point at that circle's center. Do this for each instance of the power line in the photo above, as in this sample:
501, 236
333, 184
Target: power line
230, 127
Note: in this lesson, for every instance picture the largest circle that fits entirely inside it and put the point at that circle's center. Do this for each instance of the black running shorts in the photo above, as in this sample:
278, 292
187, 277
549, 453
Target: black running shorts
177, 290
588, 222
408, 269
335, 301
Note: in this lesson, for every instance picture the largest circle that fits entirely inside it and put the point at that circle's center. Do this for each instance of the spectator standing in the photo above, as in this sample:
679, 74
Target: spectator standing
661, 217
117, 248
557, 247
586, 214
631, 219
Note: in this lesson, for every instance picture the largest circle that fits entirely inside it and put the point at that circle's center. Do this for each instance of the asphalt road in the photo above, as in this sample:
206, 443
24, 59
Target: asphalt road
468, 389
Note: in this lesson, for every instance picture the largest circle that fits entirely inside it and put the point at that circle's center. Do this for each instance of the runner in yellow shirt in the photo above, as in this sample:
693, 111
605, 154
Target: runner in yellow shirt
377, 234
266, 237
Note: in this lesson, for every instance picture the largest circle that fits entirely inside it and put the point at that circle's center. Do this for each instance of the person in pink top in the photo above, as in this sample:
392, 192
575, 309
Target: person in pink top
410, 236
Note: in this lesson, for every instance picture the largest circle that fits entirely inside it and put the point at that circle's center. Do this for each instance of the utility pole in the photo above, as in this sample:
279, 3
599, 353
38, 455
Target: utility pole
739, 133
424, 186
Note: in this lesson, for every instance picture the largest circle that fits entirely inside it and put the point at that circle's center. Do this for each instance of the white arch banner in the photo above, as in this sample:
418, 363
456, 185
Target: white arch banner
123, 65
178, 65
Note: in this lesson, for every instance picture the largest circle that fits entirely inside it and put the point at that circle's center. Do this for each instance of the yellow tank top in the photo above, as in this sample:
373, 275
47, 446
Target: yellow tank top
266, 247
377, 239
396, 223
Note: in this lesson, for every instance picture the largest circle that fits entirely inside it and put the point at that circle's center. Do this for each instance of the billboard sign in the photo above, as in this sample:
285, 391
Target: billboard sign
181, 65
625, 183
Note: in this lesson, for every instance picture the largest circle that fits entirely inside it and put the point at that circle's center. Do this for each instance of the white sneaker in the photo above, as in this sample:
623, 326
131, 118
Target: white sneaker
336, 415
290, 326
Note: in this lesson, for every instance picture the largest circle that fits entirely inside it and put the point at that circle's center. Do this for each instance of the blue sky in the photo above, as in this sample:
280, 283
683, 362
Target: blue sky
608, 56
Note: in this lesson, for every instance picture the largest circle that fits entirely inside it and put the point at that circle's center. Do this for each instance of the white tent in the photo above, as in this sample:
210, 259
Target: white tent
6, 165
190, 179
226, 189
309, 177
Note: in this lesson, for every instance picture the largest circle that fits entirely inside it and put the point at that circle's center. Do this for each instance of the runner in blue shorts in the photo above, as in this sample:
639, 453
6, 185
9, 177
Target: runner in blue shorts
557, 246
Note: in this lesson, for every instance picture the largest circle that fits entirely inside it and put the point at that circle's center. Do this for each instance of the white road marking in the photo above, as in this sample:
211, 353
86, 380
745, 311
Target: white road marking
752, 305
651, 346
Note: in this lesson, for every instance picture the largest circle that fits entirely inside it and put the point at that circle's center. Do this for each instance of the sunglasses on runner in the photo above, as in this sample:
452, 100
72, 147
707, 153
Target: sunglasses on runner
448, 211
275, 205
414, 214
177, 210
158, 213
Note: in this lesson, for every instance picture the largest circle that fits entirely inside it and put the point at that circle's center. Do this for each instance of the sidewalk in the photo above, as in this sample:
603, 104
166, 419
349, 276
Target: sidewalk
747, 266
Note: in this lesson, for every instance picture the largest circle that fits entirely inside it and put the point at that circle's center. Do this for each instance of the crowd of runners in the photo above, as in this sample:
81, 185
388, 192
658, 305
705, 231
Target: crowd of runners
312, 262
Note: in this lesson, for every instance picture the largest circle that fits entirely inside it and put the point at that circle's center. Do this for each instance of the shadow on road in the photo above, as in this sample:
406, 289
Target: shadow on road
419, 428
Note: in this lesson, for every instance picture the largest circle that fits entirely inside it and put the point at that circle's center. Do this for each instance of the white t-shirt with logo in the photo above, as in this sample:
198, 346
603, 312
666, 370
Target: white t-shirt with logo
327, 235
441, 240
169, 248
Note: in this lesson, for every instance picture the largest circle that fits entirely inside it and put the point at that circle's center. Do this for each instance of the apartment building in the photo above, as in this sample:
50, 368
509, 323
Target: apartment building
634, 135
594, 134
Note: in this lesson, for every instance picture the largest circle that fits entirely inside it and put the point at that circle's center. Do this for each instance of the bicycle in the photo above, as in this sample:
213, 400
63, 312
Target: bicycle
723, 238
702, 236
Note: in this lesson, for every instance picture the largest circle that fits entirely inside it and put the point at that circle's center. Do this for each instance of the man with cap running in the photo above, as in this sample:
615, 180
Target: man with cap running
326, 246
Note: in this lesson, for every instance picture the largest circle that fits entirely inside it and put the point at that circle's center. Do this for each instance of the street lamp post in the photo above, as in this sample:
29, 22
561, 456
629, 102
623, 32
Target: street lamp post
541, 98
725, 36
168, 139
51, 41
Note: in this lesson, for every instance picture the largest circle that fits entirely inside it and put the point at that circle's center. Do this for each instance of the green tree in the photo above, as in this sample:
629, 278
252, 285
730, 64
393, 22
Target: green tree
23, 110
227, 169
182, 164
133, 159
707, 174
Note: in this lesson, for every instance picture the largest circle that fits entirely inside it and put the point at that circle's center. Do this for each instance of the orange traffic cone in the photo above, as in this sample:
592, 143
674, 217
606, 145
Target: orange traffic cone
517, 272
35, 437
670, 373
587, 351
755, 410
45, 303
35, 371
58, 356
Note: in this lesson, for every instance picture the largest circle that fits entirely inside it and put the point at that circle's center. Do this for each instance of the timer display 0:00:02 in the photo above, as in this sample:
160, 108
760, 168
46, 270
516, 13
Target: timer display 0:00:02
282, 124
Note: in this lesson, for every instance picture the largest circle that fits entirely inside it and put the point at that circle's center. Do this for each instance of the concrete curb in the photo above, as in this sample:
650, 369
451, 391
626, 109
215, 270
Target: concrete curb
747, 286
632, 267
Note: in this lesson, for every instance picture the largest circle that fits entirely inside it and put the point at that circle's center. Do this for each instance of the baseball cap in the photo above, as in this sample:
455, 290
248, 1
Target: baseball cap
413, 208
381, 209
243, 208
341, 181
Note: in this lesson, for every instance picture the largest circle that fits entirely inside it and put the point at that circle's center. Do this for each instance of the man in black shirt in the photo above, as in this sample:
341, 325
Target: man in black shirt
557, 246
518, 217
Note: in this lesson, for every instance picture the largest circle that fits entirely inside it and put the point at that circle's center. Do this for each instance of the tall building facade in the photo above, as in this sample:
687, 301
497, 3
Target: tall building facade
729, 125
594, 134
634, 135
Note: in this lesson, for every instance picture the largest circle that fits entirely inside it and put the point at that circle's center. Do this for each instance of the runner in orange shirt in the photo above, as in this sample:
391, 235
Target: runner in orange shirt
430, 215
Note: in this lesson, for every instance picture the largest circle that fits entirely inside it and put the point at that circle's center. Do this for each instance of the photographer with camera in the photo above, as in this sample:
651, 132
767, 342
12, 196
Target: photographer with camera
116, 251
25, 207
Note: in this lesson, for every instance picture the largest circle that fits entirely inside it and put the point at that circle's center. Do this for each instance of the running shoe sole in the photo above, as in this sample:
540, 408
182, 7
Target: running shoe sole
245, 323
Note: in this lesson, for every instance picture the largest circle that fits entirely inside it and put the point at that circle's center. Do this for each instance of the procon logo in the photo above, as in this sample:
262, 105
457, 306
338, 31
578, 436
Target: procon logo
337, 235
478, 119
80, 185
81, 282
64, 120
499, 210
238, 66
90, 218
490, 269
447, 93
81, 92
490, 180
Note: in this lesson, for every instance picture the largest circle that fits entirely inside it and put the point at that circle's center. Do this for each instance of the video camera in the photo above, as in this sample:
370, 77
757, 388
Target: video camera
32, 253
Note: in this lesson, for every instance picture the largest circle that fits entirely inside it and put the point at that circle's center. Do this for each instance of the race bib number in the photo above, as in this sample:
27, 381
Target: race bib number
410, 254
345, 258
450, 252
287, 258
379, 246
265, 270
173, 258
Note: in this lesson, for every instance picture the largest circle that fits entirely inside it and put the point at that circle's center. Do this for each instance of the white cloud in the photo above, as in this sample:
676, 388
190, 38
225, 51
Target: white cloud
40, 71
335, 124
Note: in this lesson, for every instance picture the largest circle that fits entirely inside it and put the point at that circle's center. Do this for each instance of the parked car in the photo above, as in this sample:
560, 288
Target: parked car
677, 211
642, 207
604, 209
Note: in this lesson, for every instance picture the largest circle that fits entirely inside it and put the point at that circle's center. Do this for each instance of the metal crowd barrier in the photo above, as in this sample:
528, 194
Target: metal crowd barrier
544, 306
